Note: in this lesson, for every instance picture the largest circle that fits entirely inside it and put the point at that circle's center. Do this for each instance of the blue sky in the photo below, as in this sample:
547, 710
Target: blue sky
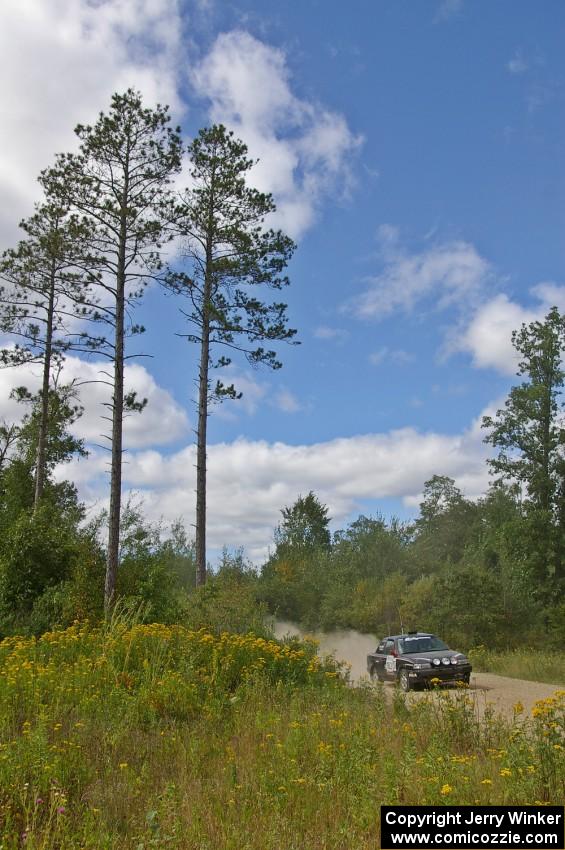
415, 150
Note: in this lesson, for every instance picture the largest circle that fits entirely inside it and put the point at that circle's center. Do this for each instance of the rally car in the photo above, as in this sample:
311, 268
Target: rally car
417, 658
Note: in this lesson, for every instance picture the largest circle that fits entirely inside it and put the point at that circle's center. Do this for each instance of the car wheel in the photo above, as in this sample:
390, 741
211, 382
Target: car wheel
404, 680
375, 675
467, 678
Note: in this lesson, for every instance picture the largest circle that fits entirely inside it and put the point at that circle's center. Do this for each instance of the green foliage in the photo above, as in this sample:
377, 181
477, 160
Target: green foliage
445, 527
149, 574
229, 253
42, 548
117, 186
529, 436
469, 570
228, 602
537, 663
304, 526
37, 552
462, 570
63, 411
137, 736
44, 286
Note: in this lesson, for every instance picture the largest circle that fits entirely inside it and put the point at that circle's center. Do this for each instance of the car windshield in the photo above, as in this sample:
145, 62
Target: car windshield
422, 643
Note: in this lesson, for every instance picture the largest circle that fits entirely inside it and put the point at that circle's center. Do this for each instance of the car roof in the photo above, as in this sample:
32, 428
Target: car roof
407, 634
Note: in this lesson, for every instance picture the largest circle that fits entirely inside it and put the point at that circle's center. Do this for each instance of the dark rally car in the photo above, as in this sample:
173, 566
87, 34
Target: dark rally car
415, 659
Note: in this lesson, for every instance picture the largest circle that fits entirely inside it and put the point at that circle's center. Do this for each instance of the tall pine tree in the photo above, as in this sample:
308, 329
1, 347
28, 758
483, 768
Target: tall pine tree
231, 258
43, 296
118, 185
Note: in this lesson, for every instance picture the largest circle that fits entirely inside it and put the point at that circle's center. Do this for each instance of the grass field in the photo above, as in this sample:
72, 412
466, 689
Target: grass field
153, 736
531, 664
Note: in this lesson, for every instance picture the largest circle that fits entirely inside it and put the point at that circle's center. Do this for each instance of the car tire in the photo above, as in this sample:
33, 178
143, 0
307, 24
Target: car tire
375, 675
466, 678
404, 680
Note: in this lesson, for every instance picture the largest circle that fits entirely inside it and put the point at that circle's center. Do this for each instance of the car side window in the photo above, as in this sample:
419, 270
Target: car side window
381, 646
389, 646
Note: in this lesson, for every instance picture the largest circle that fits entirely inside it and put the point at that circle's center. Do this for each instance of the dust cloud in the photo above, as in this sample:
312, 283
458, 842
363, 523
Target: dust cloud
348, 645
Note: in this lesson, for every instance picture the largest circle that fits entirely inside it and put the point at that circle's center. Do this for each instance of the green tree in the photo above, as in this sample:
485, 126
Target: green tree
229, 254
529, 436
117, 184
43, 290
147, 577
446, 525
304, 525
37, 551
40, 546
8, 436
17, 474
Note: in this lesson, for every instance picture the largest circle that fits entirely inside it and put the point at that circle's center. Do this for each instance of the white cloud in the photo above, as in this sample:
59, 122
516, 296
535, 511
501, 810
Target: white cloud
448, 9
446, 274
250, 481
304, 149
488, 337
287, 402
163, 420
60, 62
253, 392
397, 356
517, 65
328, 333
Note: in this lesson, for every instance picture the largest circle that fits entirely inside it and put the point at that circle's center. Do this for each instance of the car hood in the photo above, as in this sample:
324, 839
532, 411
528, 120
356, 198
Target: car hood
429, 656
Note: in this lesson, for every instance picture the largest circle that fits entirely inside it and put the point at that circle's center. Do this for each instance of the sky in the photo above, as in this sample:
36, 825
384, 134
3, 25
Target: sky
414, 149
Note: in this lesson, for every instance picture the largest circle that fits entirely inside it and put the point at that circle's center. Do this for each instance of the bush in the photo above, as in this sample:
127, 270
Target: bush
227, 602
38, 552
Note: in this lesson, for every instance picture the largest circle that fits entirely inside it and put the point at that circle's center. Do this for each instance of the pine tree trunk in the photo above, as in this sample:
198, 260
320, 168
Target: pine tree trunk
201, 442
116, 465
44, 416
117, 419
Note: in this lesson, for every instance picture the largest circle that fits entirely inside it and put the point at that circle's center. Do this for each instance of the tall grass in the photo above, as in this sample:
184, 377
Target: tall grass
153, 736
536, 665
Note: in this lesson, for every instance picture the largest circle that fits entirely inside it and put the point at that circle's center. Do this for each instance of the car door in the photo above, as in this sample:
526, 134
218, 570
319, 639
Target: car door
389, 653
379, 659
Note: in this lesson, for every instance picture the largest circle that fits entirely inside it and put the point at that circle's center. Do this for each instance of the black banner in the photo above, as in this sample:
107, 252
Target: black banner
479, 827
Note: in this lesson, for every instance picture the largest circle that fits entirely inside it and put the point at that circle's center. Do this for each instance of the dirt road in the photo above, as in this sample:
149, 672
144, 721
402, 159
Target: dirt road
504, 693
501, 693
353, 647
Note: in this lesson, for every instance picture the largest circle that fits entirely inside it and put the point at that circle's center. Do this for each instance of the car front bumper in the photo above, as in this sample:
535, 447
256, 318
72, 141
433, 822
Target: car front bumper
443, 674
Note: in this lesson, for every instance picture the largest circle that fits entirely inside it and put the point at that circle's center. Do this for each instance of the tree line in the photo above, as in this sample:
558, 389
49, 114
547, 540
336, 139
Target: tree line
487, 571
490, 571
97, 239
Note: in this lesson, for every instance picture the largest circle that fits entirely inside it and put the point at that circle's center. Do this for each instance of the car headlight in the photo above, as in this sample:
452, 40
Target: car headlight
454, 660
421, 666
445, 661
436, 662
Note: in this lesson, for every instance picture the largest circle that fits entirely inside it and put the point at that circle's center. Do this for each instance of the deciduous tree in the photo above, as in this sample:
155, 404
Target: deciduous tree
304, 525
529, 435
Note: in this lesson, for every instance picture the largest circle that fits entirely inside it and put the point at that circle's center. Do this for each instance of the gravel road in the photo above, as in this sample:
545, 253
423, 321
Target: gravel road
503, 693
353, 647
